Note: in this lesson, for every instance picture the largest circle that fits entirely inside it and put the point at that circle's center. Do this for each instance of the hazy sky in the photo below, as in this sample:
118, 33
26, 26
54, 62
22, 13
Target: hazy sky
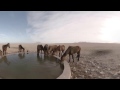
59, 26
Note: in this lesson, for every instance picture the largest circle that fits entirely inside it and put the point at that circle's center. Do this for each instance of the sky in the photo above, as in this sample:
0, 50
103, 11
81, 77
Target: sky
59, 26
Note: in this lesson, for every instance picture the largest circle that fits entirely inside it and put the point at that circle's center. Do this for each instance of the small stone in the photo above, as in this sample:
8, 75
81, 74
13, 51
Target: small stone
86, 71
101, 72
74, 69
93, 70
76, 78
98, 67
119, 73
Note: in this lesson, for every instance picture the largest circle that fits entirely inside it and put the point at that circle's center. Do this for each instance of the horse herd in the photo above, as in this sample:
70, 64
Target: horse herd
49, 50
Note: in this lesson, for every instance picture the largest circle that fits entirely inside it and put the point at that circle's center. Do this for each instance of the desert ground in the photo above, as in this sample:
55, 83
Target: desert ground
97, 61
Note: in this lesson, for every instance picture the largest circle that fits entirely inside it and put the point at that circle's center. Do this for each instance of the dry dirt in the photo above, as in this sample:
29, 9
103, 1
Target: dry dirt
97, 61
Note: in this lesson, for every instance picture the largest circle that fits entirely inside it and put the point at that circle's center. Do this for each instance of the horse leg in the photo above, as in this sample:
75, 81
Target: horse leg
3, 52
59, 54
37, 51
41, 51
51, 52
19, 50
78, 55
69, 58
73, 57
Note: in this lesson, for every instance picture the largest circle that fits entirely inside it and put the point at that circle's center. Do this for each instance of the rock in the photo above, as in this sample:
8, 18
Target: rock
93, 70
118, 64
86, 71
74, 69
119, 73
76, 78
101, 72
98, 67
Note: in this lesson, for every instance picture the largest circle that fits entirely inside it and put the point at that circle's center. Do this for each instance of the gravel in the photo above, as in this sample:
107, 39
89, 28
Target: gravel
93, 69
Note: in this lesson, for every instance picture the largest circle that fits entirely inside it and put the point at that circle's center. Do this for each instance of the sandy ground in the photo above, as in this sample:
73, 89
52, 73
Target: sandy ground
97, 61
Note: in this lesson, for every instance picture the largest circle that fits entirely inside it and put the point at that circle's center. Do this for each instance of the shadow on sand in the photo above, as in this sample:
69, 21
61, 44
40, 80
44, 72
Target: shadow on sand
101, 52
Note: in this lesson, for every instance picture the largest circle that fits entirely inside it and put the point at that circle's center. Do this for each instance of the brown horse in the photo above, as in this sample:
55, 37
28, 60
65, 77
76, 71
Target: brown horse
60, 48
72, 50
21, 48
51, 49
4, 47
46, 47
39, 48
1, 53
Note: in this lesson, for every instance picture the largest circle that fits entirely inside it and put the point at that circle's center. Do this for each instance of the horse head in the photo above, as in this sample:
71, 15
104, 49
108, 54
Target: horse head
8, 45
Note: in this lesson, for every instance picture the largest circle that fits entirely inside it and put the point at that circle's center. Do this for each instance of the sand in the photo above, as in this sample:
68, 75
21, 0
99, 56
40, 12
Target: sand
97, 61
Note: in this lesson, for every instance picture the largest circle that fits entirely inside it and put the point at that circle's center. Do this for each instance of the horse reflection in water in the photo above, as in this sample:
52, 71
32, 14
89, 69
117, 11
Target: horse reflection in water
40, 58
4, 59
21, 55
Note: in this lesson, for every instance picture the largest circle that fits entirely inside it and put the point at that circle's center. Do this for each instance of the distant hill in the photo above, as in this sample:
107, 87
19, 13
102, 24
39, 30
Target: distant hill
38, 42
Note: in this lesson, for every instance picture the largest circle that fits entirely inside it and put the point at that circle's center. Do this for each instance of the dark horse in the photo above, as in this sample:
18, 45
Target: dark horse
4, 47
46, 47
72, 50
60, 48
0, 53
21, 48
39, 48
51, 49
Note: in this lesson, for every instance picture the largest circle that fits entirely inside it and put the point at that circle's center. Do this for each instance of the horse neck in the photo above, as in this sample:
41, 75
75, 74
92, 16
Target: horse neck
65, 54
7, 45
67, 51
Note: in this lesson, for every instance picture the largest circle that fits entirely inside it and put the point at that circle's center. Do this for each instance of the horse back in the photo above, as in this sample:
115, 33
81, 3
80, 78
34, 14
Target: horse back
4, 47
46, 47
74, 49
40, 47
53, 47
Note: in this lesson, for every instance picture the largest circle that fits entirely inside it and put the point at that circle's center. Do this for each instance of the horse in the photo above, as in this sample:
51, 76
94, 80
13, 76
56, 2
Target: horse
71, 50
46, 49
51, 49
39, 48
60, 48
21, 48
1, 53
4, 47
